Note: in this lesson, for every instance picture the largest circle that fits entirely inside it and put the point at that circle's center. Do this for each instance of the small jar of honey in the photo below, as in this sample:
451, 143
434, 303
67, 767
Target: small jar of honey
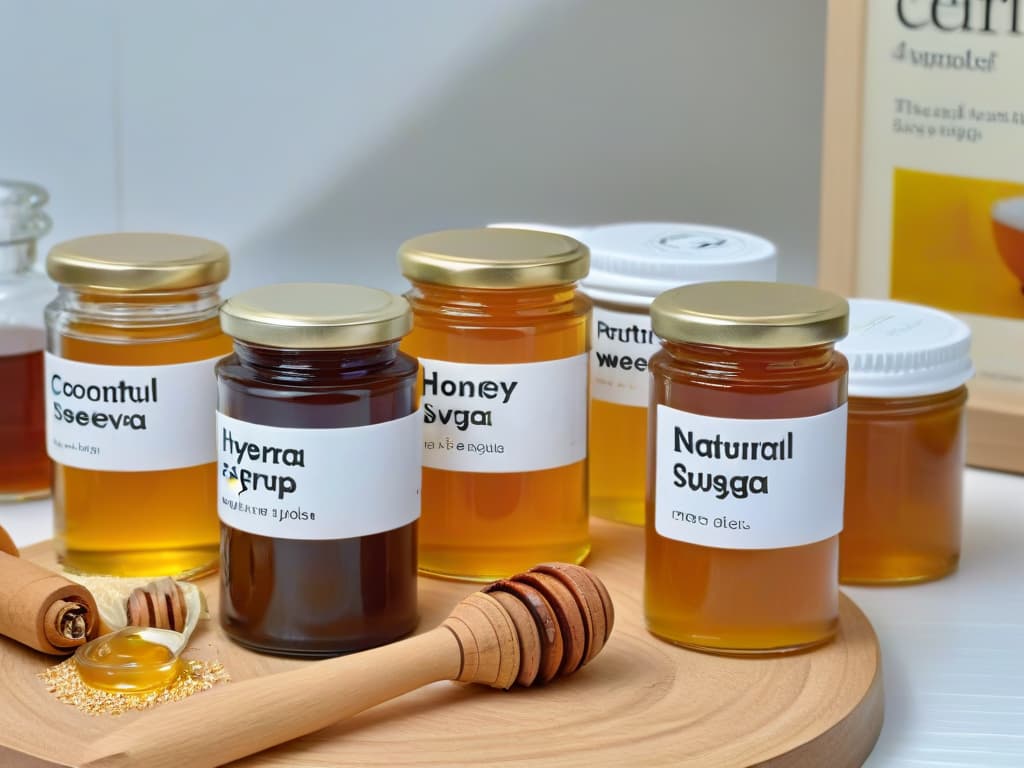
630, 264
502, 338
132, 339
318, 450
745, 487
905, 442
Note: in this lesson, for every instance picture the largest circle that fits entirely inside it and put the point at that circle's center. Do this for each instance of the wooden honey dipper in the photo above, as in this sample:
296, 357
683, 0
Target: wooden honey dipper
526, 630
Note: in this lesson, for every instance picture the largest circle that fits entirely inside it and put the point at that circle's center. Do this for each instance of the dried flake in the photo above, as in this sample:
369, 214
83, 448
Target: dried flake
64, 682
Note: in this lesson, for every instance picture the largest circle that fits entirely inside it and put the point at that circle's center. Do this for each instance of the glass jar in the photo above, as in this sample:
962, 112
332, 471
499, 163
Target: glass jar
905, 442
631, 264
319, 445
745, 488
502, 338
132, 339
24, 465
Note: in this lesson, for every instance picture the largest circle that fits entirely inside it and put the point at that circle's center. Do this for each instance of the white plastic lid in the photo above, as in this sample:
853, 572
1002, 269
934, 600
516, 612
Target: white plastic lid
632, 262
896, 349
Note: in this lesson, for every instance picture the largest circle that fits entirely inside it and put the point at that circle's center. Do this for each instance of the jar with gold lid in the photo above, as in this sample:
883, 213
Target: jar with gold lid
132, 339
745, 488
319, 445
502, 337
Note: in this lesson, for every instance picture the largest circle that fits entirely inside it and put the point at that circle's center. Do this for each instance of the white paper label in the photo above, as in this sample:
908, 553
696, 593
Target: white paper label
335, 483
622, 344
749, 483
509, 417
130, 418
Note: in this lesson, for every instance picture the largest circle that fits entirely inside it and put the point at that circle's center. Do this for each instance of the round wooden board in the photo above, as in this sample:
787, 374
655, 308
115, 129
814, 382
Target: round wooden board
642, 701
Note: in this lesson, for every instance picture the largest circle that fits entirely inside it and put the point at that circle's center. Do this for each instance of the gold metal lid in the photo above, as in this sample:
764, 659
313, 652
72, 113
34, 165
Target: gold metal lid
315, 316
494, 258
138, 261
751, 315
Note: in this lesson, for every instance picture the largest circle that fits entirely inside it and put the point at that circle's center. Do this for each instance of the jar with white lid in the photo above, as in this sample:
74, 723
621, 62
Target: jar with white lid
906, 439
631, 263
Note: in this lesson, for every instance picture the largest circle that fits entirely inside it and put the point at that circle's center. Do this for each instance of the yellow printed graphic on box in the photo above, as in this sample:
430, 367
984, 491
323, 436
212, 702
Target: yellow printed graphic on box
958, 243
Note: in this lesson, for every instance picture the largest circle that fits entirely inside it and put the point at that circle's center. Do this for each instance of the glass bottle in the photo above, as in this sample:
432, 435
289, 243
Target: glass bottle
745, 489
132, 339
905, 443
24, 465
502, 338
319, 446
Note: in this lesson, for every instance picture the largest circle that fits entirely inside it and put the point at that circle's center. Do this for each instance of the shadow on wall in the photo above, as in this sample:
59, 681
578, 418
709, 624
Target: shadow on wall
589, 112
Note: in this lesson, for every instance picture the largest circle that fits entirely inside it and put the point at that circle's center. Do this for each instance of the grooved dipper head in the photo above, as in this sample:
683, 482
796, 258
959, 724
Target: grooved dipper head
561, 616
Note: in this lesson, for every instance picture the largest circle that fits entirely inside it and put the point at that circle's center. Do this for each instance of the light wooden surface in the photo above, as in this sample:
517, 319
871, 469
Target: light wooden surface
640, 701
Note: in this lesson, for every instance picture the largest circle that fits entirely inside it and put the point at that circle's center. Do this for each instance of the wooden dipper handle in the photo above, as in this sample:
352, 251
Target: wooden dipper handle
481, 641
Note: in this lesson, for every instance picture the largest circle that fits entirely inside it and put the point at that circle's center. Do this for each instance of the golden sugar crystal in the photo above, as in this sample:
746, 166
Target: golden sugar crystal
64, 682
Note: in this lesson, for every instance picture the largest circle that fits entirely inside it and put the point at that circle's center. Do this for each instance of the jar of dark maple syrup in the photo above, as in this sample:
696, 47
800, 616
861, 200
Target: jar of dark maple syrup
319, 445
745, 490
24, 293
905, 444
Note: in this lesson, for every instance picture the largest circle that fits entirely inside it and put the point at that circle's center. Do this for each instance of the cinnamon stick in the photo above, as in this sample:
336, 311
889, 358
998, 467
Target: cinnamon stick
40, 608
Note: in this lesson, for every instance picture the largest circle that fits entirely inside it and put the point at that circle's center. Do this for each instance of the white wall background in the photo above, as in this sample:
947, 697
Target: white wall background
312, 137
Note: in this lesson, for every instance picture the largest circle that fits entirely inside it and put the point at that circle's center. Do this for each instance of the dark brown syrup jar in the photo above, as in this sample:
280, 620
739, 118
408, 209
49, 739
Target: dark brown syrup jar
319, 461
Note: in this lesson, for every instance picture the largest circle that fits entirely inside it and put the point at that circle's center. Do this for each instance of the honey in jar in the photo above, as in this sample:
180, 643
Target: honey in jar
745, 488
24, 465
630, 264
132, 339
319, 445
905, 442
502, 338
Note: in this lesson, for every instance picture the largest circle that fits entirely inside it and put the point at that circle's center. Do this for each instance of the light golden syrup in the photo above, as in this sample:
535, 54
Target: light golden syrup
100, 525
488, 525
132, 660
618, 456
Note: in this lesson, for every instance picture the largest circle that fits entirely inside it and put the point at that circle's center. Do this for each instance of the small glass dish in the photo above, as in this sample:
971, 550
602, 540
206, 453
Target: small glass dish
131, 660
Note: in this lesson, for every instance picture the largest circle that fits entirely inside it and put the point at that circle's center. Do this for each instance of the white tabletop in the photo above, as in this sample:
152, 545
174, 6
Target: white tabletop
952, 650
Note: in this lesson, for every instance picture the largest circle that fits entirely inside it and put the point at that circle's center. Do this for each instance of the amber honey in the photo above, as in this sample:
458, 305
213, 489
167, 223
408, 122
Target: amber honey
507, 357
906, 443
133, 660
630, 264
904, 489
744, 499
132, 340
616, 471
24, 466
138, 523
24, 292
